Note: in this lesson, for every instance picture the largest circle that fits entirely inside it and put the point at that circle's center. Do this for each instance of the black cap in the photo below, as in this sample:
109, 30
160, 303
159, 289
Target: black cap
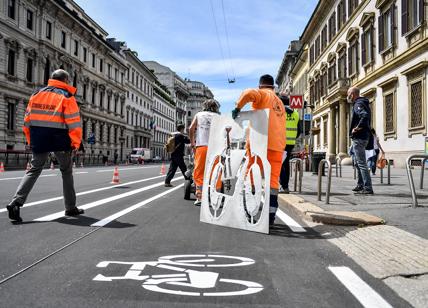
266, 80
285, 100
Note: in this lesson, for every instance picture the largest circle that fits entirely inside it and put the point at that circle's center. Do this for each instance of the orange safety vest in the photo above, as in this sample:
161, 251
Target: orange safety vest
266, 98
53, 110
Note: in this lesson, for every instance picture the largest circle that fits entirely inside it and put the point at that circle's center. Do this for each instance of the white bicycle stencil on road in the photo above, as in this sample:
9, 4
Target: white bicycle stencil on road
193, 272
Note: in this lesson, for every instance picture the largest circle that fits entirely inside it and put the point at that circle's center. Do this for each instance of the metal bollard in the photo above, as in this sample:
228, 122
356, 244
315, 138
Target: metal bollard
320, 167
388, 163
298, 166
338, 167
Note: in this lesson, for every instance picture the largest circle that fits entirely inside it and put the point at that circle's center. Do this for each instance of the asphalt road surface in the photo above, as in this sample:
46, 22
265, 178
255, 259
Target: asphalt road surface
140, 244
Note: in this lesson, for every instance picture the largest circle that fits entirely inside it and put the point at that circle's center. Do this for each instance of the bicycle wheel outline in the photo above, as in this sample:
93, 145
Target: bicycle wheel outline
244, 261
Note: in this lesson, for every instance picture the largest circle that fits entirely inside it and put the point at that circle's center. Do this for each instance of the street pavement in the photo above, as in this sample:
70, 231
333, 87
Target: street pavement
140, 244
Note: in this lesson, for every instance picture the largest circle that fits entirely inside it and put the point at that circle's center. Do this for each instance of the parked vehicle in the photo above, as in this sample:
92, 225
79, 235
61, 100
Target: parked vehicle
140, 155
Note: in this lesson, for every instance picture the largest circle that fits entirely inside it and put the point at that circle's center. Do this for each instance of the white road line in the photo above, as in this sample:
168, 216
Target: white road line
290, 222
368, 297
109, 219
88, 192
103, 201
124, 169
81, 172
18, 178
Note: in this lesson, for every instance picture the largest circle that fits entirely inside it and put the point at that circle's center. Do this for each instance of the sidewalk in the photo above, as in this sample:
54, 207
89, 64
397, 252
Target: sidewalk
391, 204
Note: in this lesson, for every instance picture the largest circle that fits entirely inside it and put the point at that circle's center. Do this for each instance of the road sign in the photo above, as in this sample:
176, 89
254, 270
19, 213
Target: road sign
307, 117
296, 101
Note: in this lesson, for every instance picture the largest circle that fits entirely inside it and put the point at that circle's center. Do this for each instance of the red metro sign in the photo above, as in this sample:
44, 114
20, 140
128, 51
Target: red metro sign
296, 101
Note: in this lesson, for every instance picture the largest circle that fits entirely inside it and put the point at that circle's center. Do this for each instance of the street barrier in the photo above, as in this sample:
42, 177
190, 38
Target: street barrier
355, 171
298, 166
338, 167
388, 163
320, 168
424, 158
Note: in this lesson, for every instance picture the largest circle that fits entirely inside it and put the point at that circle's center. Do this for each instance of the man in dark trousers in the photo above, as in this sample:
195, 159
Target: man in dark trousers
362, 139
177, 156
292, 131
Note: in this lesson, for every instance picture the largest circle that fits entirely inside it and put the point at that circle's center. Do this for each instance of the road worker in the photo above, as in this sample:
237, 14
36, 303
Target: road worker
265, 98
199, 132
51, 124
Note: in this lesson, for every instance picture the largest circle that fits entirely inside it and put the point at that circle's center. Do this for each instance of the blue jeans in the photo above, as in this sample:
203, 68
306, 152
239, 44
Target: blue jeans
359, 148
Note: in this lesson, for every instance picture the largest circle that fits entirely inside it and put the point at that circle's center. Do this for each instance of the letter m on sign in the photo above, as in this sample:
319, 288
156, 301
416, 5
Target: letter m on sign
296, 101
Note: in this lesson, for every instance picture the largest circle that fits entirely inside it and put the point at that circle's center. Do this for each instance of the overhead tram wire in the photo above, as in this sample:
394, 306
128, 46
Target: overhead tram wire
219, 41
228, 44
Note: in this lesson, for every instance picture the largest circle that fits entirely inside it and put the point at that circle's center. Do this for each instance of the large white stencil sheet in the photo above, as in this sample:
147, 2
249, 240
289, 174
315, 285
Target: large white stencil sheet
236, 190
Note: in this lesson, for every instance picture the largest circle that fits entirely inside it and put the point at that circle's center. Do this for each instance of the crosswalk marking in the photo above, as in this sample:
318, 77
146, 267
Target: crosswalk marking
103, 201
103, 222
290, 222
368, 297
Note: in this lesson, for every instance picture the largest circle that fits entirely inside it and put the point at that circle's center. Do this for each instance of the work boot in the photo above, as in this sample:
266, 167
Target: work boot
358, 188
74, 212
13, 210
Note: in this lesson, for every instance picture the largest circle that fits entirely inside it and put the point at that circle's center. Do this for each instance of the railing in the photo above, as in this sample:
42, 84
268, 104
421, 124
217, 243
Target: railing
338, 167
320, 169
424, 158
298, 166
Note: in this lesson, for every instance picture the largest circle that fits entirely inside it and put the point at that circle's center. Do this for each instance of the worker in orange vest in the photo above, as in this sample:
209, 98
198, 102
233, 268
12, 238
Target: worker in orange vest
51, 124
265, 98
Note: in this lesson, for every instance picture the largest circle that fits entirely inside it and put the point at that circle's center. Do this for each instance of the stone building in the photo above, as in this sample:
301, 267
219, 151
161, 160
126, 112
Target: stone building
163, 113
139, 102
380, 46
176, 86
283, 78
198, 93
37, 37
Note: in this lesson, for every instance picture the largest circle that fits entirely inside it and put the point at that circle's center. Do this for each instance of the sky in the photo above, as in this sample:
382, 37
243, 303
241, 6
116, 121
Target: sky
212, 41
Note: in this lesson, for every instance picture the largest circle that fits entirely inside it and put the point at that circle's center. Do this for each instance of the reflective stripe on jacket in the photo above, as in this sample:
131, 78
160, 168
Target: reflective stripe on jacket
291, 124
52, 119
266, 99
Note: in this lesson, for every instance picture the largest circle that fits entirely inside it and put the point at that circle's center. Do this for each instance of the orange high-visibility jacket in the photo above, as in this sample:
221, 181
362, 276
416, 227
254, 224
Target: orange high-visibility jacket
52, 119
266, 98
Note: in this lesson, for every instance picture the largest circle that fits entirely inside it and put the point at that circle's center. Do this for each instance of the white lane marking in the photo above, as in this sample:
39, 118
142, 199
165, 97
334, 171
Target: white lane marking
103, 222
290, 222
81, 172
18, 178
88, 192
368, 297
103, 201
124, 169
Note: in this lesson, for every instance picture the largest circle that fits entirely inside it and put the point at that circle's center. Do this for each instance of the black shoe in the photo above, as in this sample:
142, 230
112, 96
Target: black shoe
168, 185
13, 211
358, 188
365, 192
74, 212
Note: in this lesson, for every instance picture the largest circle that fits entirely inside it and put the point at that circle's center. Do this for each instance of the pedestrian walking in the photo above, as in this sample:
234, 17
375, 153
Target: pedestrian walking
265, 98
176, 145
199, 132
292, 132
51, 124
362, 139
377, 149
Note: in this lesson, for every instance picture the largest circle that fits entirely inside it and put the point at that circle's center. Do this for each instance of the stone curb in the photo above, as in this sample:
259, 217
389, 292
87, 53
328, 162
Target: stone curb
311, 212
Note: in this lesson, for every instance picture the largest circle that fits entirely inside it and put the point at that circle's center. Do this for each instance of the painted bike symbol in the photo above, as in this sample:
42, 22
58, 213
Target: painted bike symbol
187, 279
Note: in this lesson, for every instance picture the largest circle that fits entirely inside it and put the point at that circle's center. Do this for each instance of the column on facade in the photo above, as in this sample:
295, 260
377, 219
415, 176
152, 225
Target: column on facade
343, 129
332, 133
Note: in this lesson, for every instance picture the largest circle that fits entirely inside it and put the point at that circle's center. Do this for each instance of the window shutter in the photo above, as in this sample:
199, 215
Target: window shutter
404, 17
393, 25
381, 28
363, 48
349, 61
357, 56
421, 11
343, 12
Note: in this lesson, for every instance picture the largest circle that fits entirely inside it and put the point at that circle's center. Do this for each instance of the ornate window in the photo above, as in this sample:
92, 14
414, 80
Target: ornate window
389, 88
30, 20
312, 54
48, 30
341, 14
11, 9
11, 62
412, 15
341, 64
317, 47
76, 48
332, 76
353, 52
367, 39
386, 25
11, 116
324, 41
63, 39
324, 131
332, 26
352, 5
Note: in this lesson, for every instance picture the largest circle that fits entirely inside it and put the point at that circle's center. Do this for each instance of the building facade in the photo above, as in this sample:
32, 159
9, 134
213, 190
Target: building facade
283, 78
164, 122
138, 103
380, 46
198, 93
37, 37
176, 86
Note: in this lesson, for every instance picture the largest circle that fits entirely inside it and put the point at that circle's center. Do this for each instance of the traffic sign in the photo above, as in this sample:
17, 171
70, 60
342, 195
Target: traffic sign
296, 101
307, 117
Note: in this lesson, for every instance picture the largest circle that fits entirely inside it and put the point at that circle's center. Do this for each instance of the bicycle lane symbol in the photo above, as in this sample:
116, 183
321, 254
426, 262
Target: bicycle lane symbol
186, 276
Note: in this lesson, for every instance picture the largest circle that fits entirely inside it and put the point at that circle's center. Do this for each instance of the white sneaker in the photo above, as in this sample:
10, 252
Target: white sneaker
197, 203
